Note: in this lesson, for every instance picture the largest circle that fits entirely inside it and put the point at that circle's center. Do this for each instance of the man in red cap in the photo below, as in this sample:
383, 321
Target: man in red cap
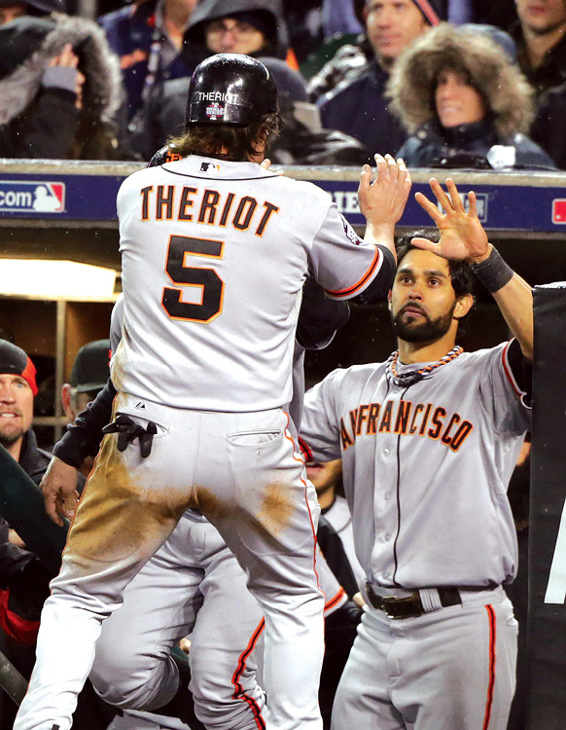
17, 391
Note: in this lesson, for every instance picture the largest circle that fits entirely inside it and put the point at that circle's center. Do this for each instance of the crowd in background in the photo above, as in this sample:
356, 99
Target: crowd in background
444, 83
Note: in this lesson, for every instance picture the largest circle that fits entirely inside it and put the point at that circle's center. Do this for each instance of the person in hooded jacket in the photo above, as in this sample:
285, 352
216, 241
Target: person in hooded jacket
253, 27
60, 90
464, 102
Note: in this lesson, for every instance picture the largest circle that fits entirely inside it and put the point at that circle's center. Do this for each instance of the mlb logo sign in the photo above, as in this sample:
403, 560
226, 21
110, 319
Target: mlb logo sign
559, 211
32, 197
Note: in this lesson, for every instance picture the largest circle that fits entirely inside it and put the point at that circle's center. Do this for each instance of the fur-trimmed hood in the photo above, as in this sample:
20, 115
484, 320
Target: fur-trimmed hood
29, 43
503, 87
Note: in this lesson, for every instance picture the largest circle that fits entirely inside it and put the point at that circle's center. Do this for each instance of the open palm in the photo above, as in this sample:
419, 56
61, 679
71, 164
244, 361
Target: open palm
462, 236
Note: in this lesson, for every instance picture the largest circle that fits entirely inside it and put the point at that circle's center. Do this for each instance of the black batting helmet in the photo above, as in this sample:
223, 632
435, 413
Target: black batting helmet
230, 88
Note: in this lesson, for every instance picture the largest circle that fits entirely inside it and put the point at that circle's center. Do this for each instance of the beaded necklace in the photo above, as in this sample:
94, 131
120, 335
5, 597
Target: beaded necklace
414, 376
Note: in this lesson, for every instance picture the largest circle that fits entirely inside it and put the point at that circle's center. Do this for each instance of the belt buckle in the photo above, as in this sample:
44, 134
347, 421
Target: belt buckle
410, 607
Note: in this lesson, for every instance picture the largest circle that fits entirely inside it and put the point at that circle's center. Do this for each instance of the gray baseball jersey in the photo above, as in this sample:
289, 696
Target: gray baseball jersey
199, 237
426, 467
433, 460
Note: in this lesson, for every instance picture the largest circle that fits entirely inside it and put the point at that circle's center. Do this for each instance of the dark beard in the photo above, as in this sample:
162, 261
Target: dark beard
428, 331
7, 439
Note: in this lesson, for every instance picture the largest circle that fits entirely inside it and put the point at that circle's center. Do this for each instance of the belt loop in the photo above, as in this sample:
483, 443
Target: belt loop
430, 599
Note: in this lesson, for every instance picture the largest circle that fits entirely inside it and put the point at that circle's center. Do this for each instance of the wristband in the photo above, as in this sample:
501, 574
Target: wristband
493, 273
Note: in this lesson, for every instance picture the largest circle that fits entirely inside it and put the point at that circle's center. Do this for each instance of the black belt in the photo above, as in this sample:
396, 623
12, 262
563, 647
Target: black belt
410, 606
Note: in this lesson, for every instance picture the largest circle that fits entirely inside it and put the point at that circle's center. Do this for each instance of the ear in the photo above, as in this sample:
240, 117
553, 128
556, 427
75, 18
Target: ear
463, 306
66, 400
389, 300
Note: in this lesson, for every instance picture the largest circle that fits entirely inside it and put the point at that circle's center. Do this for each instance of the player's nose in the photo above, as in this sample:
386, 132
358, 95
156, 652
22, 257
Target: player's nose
7, 394
415, 291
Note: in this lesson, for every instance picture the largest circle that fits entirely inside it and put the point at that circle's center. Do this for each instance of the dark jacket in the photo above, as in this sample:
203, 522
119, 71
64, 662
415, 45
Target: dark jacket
272, 10
34, 462
38, 117
130, 32
358, 108
468, 146
548, 127
552, 71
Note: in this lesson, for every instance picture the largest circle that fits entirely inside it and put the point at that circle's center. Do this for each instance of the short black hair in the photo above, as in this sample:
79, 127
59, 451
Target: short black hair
461, 275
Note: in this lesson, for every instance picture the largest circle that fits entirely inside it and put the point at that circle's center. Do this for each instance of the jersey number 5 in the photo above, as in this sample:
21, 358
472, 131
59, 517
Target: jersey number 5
212, 286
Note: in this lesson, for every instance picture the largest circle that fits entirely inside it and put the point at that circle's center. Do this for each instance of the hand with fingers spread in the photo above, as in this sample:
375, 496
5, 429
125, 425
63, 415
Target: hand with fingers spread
462, 236
383, 201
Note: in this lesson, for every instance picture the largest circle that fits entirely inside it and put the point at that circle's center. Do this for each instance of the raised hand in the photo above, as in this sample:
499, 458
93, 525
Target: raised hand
462, 236
384, 199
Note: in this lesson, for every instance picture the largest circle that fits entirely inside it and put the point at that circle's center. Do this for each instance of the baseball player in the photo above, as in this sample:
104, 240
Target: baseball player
429, 440
215, 250
192, 584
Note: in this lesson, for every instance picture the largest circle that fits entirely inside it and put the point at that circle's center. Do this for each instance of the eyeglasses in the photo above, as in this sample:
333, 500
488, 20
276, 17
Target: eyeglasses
219, 28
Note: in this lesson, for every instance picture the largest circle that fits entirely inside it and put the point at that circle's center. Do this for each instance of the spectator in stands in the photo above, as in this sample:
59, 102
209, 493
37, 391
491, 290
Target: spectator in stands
60, 90
147, 35
539, 35
464, 102
253, 27
357, 106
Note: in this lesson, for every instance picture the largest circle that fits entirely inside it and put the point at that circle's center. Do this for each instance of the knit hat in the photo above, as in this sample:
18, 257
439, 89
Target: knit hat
431, 9
14, 361
91, 367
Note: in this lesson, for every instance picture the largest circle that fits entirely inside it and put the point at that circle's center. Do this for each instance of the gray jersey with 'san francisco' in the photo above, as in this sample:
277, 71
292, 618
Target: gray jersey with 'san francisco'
426, 467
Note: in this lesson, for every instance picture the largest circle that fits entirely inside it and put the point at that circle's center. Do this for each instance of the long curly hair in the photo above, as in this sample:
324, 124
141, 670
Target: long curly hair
228, 141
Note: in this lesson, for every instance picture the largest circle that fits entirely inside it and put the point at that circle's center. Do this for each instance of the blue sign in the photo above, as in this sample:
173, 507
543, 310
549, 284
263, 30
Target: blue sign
93, 198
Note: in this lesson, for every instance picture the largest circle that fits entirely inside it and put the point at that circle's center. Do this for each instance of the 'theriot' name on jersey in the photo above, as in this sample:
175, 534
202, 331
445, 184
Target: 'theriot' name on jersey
405, 418
169, 202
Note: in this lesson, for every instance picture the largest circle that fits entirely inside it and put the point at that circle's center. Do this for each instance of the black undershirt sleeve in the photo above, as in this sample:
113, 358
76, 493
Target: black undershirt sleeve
380, 286
521, 369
